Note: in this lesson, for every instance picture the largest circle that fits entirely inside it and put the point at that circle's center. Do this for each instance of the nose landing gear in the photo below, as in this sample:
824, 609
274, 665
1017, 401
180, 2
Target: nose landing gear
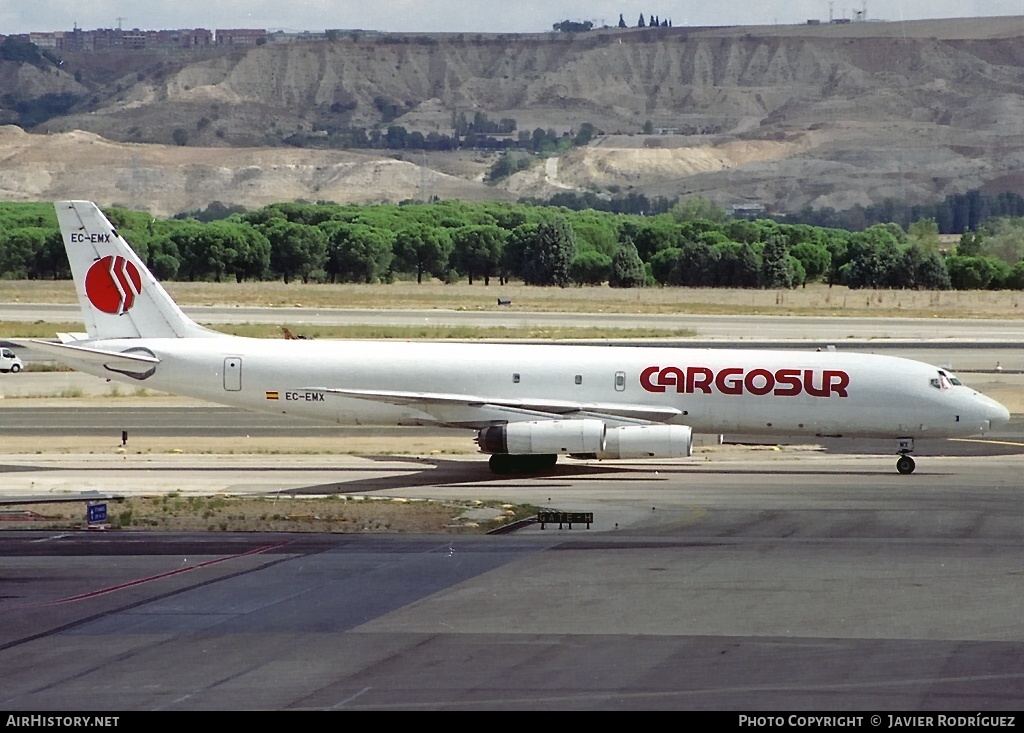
905, 464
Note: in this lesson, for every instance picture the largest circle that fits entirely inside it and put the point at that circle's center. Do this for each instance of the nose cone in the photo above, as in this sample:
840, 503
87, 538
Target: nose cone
996, 414
988, 414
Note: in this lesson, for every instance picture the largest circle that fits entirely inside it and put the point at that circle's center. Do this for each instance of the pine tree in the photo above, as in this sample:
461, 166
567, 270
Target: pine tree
547, 259
642, 23
774, 268
622, 21
628, 269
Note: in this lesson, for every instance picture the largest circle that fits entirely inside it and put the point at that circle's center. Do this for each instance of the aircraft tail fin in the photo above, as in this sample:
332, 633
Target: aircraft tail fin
119, 296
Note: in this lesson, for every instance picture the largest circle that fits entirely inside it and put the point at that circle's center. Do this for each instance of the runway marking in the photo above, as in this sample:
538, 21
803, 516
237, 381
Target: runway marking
140, 581
349, 699
570, 699
1018, 444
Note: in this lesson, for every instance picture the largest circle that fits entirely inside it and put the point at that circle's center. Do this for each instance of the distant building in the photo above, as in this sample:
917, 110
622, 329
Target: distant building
105, 39
76, 40
240, 36
117, 39
183, 38
746, 211
285, 37
43, 40
195, 38
133, 39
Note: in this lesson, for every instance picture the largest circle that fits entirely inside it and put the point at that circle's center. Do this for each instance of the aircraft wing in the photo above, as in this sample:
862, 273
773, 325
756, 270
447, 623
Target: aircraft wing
640, 414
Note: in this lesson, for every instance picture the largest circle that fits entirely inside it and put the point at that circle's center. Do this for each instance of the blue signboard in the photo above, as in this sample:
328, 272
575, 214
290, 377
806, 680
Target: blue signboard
97, 513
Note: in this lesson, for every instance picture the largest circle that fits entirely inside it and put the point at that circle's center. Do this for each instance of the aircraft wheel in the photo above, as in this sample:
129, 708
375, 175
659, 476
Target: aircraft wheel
905, 464
544, 462
502, 463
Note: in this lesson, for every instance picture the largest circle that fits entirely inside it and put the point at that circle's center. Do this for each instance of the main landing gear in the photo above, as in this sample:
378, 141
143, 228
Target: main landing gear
503, 463
905, 464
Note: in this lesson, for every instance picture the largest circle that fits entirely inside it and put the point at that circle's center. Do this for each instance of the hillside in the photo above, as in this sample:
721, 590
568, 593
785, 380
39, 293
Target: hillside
785, 116
165, 179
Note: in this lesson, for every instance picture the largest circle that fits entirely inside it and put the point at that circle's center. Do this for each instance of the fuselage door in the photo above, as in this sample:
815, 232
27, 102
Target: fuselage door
233, 374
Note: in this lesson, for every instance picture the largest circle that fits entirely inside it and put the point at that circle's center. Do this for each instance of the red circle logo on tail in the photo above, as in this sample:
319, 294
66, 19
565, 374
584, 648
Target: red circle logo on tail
112, 284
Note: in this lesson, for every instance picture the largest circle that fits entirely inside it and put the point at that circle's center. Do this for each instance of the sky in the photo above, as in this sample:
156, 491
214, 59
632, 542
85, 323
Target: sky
495, 16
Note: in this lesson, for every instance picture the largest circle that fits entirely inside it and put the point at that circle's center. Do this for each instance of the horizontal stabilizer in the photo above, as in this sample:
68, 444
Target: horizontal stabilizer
118, 360
67, 338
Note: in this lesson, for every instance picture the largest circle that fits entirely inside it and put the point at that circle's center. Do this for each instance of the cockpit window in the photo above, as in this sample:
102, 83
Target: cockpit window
951, 377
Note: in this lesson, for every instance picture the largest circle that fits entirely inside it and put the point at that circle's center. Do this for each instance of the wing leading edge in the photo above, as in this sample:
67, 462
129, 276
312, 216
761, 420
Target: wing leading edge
614, 413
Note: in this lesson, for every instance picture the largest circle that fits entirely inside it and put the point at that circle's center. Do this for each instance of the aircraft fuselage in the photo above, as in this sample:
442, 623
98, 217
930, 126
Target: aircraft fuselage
714, 390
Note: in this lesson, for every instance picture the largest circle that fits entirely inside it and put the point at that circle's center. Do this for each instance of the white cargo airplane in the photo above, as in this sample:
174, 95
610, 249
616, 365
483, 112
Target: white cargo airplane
529, 403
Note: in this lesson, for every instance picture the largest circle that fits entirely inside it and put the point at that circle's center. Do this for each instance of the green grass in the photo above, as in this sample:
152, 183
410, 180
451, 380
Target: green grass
172, 512
814, 300
37, 329
43, 330
458, 333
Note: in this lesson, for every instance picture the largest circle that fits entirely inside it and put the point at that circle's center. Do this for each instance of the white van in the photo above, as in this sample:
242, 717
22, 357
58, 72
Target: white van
9, 362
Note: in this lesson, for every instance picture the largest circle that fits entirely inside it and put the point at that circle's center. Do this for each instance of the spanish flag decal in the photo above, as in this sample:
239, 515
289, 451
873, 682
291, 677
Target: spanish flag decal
272, 395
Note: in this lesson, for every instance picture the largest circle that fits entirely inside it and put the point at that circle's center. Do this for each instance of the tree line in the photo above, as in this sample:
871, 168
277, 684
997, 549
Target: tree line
582, 26
478, 134
692, 244
955, 214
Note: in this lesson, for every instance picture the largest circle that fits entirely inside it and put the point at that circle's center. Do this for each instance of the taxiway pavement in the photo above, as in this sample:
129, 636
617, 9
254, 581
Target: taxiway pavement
770, 581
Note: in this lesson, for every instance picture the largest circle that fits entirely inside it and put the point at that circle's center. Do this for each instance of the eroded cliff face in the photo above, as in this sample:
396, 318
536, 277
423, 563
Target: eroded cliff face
785, 116
166, 179
693, 80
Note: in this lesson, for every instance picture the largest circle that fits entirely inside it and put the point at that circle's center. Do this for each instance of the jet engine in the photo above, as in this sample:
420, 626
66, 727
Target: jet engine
544, 437
648, 441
